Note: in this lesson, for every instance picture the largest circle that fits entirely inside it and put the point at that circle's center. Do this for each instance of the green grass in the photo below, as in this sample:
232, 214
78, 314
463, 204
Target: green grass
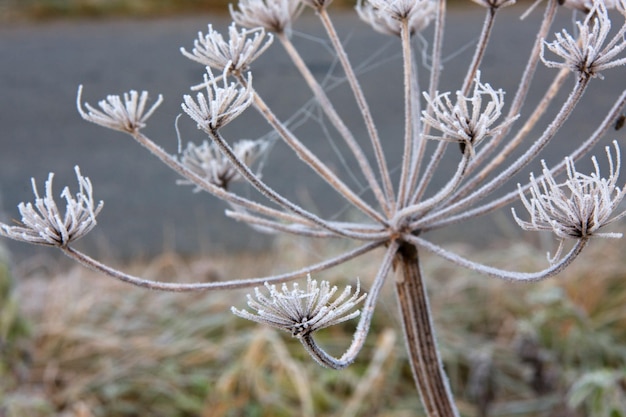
100, 348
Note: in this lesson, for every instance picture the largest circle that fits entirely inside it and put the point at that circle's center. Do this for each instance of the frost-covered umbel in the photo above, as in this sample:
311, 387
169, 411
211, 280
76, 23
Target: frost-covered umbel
208, 162
384, 17
392, 203
579, 207
127, 113
233, 56
44, 224
588, 52
468, 120
221, 105
272, 15
302, 312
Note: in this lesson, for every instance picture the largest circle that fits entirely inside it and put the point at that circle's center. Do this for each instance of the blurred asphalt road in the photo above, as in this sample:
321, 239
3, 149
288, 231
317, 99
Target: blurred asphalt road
145, 212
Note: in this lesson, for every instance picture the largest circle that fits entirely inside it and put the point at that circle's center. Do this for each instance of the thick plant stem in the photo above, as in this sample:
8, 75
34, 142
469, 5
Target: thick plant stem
419, 334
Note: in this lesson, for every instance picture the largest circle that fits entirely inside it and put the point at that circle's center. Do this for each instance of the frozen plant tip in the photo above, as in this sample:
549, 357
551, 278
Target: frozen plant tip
302, 312
589, 53
126, 113
578, 207
466, 121
221, 104
234, 56
384, 17
208, 162
272, 15
43, 223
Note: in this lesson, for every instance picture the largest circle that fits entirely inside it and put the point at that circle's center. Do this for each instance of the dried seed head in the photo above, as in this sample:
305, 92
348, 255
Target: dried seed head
126, 113
384, 17
302, 312
234, 56
577, 208
589, 53
221, 104
271, 15
460, 123
208, 162
43, 223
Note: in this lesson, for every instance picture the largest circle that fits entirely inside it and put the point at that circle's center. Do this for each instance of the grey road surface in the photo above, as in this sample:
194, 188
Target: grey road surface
145, 212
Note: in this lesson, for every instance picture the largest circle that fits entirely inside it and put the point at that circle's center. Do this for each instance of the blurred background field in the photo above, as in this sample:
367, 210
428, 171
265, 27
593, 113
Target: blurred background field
77, 344
49, 9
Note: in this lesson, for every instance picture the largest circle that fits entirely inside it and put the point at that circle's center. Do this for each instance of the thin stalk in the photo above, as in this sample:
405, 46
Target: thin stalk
435, 74
551, 271
97, 266
407, 155
213, 189
268, 192
479, 52
367, 312
223, 194
520, 95
328, 108
312, 160
361, 102
419, 332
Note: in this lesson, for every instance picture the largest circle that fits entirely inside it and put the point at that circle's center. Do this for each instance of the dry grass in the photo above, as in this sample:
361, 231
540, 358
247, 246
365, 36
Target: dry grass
100, 348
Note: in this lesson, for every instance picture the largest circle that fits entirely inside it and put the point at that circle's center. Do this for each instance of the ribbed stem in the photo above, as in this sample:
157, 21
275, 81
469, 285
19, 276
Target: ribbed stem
430, 378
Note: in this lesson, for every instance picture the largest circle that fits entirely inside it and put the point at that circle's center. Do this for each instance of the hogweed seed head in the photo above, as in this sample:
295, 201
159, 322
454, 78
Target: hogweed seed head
589, 53
384, 17
43, 223
126, 113
577, 208
302, 312
234, 56
221, 105
208, 162
271, 15
460, 123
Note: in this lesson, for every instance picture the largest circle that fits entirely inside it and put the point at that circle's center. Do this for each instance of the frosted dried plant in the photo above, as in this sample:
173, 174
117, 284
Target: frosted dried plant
272, 15
458, 123
44, 224
126, 113
401, 210
383, 16
578, 207
234, 56
208, 162
589, 53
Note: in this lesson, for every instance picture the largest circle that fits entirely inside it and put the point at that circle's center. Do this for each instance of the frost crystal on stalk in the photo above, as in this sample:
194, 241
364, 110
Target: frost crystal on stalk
272, 15
221, 104
126, 113
587, 53
208, 162
578, 207
234, 56
460, 123
384, 17
302, 312
43, 223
